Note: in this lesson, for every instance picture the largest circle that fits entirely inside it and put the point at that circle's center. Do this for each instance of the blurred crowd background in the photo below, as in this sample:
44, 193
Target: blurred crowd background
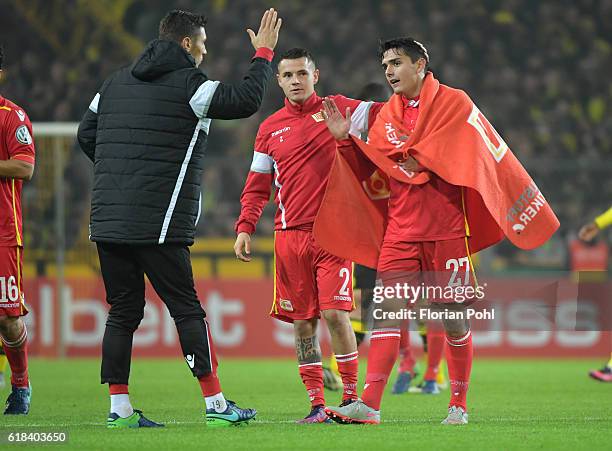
539, 70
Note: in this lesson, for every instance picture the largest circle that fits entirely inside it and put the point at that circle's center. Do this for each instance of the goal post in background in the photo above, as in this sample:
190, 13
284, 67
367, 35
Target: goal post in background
46, 209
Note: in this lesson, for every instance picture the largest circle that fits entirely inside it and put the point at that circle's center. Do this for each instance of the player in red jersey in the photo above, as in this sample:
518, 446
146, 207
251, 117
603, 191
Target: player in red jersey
295, 151
16, 165
426, 229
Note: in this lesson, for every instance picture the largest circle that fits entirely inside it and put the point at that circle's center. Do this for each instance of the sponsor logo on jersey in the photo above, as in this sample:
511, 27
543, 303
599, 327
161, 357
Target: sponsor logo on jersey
21, 115
285, 304
278, 132
23, 135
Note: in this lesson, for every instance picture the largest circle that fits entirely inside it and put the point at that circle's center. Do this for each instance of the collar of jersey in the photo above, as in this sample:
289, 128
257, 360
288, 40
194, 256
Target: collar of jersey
412, 102
312, 105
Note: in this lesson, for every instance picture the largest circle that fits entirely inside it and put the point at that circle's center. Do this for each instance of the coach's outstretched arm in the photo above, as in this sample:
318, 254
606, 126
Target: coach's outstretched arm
217, 100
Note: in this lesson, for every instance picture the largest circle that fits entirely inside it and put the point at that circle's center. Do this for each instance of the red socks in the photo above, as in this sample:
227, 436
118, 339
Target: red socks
459, 355
17, 356
435, 348
209, 383
384, 348
312, 377
348, 366
118, 389
407, 359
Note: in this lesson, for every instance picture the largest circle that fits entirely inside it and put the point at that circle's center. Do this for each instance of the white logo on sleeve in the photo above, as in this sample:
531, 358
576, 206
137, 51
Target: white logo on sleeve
23, 135
21, 115
190, 359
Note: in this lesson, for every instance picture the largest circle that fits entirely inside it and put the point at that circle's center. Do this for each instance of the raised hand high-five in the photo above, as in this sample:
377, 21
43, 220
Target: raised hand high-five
267, 36
338, 124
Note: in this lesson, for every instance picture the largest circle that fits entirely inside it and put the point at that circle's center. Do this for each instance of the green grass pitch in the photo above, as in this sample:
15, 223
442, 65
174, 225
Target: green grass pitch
526, 404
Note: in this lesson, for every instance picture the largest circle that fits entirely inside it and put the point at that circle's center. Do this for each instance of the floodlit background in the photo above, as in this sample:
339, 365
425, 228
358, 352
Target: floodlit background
540, 72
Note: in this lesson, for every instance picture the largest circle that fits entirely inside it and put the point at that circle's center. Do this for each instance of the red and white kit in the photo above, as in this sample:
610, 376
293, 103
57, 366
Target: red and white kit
15, 143
425, 235
295, 152
426, 227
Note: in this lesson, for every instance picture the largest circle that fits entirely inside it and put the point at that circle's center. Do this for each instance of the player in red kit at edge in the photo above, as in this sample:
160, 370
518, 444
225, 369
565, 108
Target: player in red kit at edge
295, 151
426, 228
16, 165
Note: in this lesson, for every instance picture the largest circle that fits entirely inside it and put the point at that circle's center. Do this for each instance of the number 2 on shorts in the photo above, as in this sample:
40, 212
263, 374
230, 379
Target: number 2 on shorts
344, 272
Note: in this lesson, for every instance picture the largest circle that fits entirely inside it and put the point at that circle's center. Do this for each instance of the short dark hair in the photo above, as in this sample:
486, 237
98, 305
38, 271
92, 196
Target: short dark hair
1, 56
409, 46
297, 53
178, 24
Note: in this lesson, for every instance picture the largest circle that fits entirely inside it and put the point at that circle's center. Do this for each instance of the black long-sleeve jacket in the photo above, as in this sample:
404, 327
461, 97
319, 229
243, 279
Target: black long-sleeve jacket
146, 132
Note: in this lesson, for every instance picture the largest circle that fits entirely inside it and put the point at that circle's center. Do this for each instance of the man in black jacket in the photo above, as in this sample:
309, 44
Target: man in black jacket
145, 131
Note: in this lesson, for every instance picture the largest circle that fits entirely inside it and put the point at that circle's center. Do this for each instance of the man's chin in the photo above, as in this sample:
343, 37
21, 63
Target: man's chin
297, 99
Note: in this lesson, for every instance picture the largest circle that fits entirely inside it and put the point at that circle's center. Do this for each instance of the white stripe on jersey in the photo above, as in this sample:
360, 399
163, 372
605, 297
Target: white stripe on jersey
359, 119
262, 162
278, 193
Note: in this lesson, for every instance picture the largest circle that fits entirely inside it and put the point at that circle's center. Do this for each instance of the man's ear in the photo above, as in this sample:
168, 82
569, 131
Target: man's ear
186, 43
315, 76
421, 64
278, 79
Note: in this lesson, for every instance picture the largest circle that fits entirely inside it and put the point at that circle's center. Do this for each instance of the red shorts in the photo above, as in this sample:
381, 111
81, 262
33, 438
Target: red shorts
441, 264
11, 294
308, 279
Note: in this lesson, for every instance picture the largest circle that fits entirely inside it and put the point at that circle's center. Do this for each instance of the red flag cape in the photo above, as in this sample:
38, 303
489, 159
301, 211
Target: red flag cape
453, 139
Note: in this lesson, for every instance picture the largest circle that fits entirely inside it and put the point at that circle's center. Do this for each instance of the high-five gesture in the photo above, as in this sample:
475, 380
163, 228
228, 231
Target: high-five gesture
338, 124
267, 36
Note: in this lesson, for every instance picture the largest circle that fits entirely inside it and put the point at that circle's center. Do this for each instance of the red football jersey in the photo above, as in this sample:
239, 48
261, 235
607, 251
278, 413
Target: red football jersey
16, 143
295, 151
429, 212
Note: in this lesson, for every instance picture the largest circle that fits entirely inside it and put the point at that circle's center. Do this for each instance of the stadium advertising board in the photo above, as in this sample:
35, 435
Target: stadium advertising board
530, 323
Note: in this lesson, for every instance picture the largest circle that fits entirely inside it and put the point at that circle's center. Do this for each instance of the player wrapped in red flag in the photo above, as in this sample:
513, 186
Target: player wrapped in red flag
455, 142
456, 188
